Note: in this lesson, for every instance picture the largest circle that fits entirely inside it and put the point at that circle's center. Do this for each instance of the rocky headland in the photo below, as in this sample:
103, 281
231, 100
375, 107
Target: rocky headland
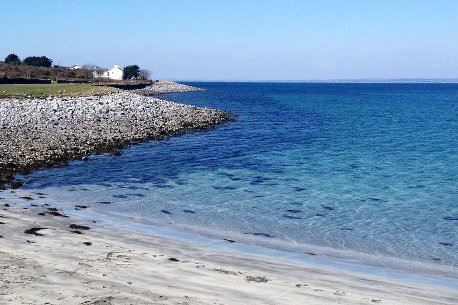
37, 133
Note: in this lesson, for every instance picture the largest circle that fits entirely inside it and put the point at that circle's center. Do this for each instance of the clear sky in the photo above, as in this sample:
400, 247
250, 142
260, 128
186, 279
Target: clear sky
241, 39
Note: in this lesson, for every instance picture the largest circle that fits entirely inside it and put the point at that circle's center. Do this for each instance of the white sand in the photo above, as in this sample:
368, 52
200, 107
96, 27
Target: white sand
122, 267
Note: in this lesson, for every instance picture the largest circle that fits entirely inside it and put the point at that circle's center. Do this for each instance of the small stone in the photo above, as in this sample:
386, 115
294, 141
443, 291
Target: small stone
79, 227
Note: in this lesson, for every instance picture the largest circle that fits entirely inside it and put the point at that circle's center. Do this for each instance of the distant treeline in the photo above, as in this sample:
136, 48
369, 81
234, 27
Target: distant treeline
37, 61
40, 67
34, 72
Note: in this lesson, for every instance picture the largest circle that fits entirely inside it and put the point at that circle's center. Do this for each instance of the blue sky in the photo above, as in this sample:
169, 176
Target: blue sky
241, 40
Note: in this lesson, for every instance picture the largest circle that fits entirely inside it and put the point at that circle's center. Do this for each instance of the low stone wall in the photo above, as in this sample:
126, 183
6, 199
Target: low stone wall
24, 81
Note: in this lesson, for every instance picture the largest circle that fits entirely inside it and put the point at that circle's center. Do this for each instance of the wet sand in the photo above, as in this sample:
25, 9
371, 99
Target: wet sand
49, 258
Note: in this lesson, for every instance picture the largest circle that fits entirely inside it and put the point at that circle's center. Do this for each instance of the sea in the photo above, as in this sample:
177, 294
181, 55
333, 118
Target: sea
360, 173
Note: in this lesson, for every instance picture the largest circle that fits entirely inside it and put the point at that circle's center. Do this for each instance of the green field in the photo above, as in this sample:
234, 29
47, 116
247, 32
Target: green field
44, 90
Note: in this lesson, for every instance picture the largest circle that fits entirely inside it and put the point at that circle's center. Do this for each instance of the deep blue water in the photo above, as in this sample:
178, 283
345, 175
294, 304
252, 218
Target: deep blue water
361, 169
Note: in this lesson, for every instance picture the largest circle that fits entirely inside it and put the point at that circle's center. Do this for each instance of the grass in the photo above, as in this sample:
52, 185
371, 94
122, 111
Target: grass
45, 90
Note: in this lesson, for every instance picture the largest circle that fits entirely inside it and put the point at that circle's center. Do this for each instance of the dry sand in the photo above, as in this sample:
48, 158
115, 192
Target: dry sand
122, 267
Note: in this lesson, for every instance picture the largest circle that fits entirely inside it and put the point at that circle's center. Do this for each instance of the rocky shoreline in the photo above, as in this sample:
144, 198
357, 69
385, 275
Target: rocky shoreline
167, 87
38, 133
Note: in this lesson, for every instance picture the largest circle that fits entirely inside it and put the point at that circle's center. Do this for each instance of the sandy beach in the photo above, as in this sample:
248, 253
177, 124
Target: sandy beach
47, 257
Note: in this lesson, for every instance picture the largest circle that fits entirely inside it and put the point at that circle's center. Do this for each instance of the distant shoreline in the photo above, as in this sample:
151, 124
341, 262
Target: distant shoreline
343, 81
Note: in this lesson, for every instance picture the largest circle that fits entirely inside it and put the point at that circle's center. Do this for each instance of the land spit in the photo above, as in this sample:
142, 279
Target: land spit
167, 87
37, 133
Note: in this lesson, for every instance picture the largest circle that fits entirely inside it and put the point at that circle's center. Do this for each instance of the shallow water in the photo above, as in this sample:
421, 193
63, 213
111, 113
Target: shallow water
362, 169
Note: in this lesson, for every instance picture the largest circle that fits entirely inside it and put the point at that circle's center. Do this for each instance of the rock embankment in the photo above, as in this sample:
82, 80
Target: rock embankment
167, 87
39, 133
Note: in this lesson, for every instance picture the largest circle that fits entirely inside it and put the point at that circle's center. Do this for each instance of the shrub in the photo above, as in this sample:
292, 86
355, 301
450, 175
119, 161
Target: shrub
144, 74
12, 59
83, 74
38, 61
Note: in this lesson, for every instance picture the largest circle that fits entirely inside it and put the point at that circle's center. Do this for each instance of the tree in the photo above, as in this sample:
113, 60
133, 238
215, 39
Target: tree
144, 74
12, 59
38, 61
131, 72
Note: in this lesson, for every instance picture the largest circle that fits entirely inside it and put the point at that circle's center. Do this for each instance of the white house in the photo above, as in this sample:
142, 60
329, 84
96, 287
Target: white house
115, 73
75, 67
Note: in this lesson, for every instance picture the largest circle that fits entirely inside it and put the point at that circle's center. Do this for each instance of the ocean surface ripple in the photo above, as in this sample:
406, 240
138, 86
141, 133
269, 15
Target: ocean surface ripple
363, 168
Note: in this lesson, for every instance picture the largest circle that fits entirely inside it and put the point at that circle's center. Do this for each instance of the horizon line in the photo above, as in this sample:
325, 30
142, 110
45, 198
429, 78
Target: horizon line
359, 80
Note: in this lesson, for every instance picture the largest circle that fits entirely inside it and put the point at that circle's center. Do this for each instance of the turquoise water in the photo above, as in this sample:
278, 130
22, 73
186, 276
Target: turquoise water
365, 172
